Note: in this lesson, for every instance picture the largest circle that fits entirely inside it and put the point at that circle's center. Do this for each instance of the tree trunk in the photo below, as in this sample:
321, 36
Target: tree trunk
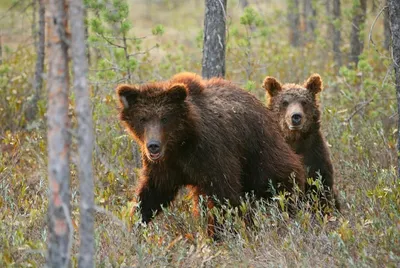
386, 25
328, 7
394, 18
87, 37
328, 15
244, 3
58, 138
31, 110
214, 39
336, 34
34, 35
294, 22
85, 133
1, 51
310, 14
127, 57
356, 38
373, 6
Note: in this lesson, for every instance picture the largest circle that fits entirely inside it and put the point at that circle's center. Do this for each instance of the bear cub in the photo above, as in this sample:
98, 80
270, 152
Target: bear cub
209, 135
299, 116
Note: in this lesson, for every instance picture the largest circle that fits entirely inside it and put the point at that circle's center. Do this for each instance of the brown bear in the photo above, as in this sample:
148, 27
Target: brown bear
299, 116
209, 135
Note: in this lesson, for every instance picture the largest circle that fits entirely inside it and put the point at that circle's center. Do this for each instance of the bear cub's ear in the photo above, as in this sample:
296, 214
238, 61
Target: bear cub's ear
177, 92
272, 86
127, 95
314, 84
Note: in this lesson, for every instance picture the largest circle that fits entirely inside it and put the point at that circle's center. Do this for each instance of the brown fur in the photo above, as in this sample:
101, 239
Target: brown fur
214, 137
307, 141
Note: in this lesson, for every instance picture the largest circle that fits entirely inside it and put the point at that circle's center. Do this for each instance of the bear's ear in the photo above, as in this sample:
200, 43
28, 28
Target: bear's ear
177, 92
272, 86
127, 95
314, 84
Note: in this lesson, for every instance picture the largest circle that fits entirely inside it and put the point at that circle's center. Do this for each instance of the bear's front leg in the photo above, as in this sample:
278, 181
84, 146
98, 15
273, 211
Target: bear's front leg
152, 197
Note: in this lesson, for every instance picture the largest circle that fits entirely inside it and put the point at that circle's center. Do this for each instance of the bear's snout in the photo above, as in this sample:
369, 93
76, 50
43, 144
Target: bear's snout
296, 119
295, 116
154, 147
154, 150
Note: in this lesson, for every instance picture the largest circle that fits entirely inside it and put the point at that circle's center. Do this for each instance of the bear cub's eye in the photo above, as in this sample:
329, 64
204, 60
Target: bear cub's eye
164, 120
142, 119
285, 103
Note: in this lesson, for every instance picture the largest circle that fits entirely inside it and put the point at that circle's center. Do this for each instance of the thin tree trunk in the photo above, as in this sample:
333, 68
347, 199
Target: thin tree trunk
394, 18
244, 3
135, 148
328, 7
374, 5
127, 58
214, 39
1, 51
336, 33
87, 37
310, 14
356, 38
294, 22
58, 139
85, 133
34, 22
386, 25
328, 15
31, 110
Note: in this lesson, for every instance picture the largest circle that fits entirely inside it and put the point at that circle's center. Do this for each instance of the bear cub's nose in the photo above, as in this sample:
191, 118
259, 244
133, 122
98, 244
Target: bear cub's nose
154, 147
296, 119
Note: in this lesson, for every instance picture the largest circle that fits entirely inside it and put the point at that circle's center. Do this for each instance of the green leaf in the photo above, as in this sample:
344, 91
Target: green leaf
158, 30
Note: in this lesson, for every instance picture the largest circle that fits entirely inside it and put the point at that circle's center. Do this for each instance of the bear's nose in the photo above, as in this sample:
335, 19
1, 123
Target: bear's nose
154, 147
296, 119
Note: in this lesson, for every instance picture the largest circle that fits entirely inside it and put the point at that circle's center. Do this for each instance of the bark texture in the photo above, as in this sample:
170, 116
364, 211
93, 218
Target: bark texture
214, 39
1, 51
394, 18
294, 22
34, 35
87, 36
85, 133
31, 110
356, 38
244, 3
58, 138
336, 33
386, 27
328, 7
310, 14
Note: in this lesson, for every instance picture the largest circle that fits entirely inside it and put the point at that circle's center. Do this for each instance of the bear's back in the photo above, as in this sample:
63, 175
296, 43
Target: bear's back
227, 102
235, 117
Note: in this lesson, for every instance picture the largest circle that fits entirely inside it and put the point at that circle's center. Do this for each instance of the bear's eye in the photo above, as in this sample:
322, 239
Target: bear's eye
142, 119
164, 120
303, 102
285, 103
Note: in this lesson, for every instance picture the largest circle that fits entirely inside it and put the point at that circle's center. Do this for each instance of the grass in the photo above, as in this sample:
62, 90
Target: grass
361, 133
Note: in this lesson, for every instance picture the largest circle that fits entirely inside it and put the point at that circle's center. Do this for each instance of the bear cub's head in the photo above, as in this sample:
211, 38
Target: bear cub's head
296, 105
155, 114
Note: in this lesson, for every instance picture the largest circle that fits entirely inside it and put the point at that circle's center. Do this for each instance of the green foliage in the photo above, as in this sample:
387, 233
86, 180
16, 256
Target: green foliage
15, 87
250, 85
110, 25
158, 30
250, 17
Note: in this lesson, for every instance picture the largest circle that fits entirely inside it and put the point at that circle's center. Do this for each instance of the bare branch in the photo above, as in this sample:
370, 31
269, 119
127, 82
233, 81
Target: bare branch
358, 108
109, 41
